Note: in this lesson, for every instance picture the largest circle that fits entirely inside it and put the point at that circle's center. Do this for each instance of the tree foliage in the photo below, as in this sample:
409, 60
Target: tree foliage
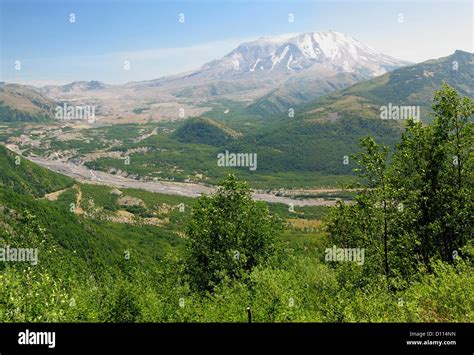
417, 207
229, 234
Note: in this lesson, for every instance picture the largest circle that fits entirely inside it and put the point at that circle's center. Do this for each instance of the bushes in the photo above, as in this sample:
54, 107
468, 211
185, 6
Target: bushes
290, 286
31, 296
446, 295
121, 305
300, 290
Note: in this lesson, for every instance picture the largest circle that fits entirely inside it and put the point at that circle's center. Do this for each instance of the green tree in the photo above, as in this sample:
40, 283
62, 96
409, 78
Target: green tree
432, 174
374, 168
420, 203
229, 234
366, 223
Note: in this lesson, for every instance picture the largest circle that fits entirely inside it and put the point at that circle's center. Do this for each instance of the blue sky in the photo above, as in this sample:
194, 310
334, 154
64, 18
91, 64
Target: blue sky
149, 36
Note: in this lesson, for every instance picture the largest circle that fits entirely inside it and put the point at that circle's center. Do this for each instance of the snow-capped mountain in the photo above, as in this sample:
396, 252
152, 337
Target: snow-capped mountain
327, 51
330, 50
319, 54
268, 75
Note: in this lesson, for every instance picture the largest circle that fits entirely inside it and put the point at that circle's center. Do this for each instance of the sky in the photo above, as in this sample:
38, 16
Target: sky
47, 42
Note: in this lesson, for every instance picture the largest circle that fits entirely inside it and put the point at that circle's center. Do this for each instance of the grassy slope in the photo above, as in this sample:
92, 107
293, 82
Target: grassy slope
19, 103
96, 242
412, 85
26, 177
204, 130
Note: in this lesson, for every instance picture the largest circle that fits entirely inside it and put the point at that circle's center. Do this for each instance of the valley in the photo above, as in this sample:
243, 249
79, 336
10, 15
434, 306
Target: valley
304, 144
192, 196
82, 173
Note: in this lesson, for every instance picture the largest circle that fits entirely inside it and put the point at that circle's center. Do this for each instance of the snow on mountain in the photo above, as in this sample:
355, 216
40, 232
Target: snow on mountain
247, 56
333, 51
269, 74
275, 59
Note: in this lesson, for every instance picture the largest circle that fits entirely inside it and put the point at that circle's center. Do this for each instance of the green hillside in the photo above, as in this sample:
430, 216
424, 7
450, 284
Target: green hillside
407, 86
303, 146
80, 256
20, 175
204, 130
20, 103
298, 91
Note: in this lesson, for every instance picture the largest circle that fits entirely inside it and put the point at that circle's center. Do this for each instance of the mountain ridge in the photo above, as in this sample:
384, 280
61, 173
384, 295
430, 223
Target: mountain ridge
411, 85
334, 51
